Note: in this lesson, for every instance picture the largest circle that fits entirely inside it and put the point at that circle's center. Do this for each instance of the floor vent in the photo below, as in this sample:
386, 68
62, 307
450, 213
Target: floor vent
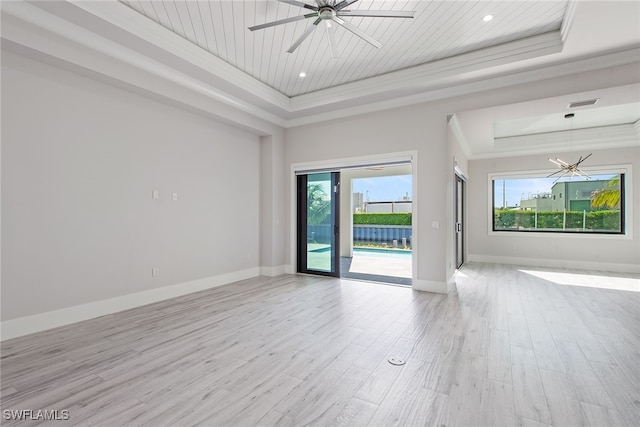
397, 361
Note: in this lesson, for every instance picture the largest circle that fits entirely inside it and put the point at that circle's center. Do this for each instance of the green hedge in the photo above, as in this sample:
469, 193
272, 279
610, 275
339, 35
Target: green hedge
506, 219
400, 218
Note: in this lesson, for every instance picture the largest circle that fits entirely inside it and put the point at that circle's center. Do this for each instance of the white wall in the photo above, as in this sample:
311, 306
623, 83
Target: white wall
79, 162
616, 253
455, 157
423, 128
417, 128
272, 204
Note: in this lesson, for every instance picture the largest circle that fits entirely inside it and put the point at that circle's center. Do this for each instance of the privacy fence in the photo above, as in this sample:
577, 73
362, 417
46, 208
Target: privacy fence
603, 221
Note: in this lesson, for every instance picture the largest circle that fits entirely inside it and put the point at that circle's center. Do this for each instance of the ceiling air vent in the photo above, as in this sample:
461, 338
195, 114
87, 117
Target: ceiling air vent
583, 103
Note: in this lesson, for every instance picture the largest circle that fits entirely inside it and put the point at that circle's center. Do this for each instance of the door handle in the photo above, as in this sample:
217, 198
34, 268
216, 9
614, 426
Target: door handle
458, 227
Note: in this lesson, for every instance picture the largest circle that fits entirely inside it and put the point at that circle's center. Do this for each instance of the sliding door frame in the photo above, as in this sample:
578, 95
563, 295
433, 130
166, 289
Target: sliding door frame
346, 163
459, 184
301, 221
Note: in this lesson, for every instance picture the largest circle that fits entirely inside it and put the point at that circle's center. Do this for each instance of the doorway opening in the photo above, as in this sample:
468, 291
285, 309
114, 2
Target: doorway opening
377, 207
459, 225
324, 207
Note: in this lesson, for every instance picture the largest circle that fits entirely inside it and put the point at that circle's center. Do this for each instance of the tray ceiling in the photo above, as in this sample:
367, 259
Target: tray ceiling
440, 29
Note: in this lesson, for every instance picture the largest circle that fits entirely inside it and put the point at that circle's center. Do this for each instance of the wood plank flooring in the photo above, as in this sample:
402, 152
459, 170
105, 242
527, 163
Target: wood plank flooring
507, 347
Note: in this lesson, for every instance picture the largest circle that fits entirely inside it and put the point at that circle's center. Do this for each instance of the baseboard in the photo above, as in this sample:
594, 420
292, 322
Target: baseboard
556, 263
451, 282
429, 286
272, 271
53, 319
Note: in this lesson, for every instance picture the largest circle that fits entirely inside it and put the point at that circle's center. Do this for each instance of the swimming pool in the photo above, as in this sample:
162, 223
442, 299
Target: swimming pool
382, 253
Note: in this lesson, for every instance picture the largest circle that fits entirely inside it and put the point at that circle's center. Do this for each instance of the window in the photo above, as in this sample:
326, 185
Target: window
534, 203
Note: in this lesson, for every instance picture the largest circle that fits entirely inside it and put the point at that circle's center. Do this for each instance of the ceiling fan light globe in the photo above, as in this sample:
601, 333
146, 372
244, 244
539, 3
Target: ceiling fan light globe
326, 13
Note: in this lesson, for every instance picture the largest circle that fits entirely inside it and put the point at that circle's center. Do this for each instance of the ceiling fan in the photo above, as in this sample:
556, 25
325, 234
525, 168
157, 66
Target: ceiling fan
332, 11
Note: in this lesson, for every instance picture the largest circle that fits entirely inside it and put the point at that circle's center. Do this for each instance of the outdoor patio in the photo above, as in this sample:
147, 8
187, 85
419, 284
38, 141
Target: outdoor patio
378, 266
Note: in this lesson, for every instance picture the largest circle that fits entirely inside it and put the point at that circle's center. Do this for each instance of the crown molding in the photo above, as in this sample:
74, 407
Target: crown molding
133, 22
568, 20
534, 74
63, 19
622, 135
68, 39
597, 138
433, 74
464, 74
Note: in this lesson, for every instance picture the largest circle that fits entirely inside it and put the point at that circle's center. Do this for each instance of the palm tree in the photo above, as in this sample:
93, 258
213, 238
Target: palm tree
318, 204
607, 197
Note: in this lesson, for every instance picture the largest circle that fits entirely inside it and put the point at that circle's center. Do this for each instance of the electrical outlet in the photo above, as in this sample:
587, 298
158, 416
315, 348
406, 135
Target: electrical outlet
155, 194
174, 196
154, 272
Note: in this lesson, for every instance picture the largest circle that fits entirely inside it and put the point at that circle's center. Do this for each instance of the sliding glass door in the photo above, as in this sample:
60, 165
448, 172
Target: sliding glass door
318, 223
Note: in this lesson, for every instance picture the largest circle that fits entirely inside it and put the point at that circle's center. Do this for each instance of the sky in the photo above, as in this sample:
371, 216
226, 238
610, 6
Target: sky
393, 188
383, 189
517, 189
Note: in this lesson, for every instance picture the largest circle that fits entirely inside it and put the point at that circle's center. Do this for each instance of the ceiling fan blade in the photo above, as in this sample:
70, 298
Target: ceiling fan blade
377, 13
282, 21
304, 35
331, 35
358, 32
299, 4
555, 173
345, 3
555, 162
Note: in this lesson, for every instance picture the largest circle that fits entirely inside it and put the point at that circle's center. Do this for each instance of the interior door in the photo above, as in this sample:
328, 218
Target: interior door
319, 223
459, 221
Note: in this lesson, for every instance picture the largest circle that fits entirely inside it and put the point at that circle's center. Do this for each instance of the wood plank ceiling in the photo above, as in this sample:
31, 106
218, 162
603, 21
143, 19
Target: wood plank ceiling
440, 29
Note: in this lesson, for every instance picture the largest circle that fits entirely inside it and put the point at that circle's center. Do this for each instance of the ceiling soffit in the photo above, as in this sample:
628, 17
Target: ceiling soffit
440, 29
120, 32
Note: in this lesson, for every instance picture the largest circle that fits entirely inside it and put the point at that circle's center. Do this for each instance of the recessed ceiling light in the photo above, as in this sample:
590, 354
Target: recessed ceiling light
487, 18
302, 74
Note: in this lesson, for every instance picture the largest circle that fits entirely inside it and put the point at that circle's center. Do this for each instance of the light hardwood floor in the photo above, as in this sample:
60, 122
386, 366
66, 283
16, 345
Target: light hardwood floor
507, 347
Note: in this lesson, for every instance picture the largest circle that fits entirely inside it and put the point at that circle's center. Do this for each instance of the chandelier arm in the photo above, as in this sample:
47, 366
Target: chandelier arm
583, 174
561, 176
582, 160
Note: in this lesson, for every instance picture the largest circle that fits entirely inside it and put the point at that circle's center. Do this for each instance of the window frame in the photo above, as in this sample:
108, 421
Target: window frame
625, 209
